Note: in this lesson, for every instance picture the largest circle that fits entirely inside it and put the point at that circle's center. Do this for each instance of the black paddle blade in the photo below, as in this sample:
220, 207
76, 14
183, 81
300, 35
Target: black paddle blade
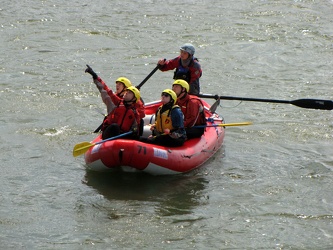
313, 104
302, 103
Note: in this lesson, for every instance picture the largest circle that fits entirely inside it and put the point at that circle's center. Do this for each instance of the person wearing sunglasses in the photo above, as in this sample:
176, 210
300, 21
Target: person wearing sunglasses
186, 67
168, 129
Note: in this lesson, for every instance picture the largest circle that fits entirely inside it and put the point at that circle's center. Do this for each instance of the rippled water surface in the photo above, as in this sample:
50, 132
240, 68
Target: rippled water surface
269, 187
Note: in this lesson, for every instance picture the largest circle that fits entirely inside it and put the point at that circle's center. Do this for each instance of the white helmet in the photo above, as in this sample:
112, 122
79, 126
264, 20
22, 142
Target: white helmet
189, 48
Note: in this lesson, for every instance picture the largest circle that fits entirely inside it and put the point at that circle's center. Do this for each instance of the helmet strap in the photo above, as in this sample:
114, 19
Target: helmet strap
122, 92
127, 103
182, 94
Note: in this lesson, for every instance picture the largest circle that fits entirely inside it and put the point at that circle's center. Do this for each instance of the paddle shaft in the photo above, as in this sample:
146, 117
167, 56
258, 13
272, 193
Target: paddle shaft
224, 125
83, 147
302, 103
148, 76
114, 137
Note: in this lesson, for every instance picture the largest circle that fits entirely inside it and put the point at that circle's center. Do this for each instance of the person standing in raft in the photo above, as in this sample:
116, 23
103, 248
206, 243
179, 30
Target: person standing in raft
187, 67
168, 129
192, 108
123, 115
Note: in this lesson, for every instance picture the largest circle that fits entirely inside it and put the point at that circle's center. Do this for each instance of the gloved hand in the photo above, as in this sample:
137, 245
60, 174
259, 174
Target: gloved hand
91, 72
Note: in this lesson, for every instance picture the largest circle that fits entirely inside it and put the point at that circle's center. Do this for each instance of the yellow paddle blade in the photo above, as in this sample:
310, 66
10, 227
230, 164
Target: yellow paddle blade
81, 148
235, 124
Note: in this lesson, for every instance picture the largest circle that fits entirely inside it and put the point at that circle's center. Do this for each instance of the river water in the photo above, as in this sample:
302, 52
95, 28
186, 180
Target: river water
269, 187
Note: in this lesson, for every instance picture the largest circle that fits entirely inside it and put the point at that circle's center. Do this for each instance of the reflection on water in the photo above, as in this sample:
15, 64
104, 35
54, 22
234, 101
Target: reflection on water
174, 194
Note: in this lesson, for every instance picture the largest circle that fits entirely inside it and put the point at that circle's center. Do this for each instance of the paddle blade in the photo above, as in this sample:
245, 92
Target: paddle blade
81, 148
215, 105
313, 104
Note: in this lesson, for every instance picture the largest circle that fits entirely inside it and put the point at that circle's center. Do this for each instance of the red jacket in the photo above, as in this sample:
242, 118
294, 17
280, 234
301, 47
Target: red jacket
123, 115
193, 110
194, 68
116, 99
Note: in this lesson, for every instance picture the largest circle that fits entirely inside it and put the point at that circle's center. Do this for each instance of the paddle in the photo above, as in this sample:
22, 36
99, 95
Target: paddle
302, 103
224, 125
213, 108
99, 127
83, 147
148, 76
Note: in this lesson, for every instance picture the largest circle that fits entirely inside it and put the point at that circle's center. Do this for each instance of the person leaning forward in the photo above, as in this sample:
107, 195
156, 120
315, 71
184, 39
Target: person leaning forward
187, 67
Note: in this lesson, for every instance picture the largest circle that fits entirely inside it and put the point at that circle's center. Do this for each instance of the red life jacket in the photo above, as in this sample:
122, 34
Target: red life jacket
184, 104
122, 115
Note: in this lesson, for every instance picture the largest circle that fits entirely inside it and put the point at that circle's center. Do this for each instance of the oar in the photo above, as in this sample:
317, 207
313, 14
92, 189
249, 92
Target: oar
83, 147
302, 103
99, 128
224, 125
213, 108
148, 76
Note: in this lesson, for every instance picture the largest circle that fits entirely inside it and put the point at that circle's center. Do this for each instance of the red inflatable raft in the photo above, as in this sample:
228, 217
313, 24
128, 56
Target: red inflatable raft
131, 155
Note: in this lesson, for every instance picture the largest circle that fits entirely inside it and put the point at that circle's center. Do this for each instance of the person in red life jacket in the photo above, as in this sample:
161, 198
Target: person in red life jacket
109, 97
123, 117
187, 67
168, 129
192, 108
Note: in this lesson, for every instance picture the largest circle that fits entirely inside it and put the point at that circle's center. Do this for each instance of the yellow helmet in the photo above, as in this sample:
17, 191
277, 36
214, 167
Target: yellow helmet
182, 83
125, 81
171, 93
135, 91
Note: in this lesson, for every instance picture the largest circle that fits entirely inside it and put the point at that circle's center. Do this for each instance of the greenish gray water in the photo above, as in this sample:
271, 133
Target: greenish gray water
269, 187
